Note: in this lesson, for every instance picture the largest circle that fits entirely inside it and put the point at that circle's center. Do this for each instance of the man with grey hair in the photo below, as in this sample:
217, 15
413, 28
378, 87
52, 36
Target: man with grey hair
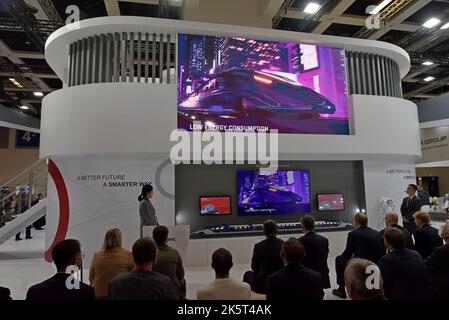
358, 285
438, 265
391, 220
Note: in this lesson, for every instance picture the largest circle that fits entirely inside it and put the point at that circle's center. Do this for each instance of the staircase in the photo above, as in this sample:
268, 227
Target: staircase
18, 205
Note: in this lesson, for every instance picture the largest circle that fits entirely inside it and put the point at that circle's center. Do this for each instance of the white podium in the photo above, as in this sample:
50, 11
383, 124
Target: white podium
178, 237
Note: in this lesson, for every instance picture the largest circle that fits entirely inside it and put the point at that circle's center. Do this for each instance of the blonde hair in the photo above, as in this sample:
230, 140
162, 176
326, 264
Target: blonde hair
112, 239
423, 216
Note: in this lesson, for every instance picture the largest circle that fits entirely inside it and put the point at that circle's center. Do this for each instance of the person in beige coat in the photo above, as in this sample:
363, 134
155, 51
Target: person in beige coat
110, 261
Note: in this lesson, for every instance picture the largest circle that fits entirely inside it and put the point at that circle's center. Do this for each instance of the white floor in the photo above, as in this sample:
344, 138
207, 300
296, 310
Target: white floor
22, 265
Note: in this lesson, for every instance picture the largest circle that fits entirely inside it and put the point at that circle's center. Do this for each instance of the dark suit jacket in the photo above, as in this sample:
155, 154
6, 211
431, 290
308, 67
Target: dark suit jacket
438, 266
408, 208
363, 243
317, 251
408, 236
405, 275
55, 289
265, 261
295, 282
5, 294
426, 239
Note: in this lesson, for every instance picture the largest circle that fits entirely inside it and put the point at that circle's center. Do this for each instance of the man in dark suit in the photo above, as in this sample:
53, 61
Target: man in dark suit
317, 250
410, 204
426, 237
403, 271
438, 266
356, 277
266, 258
294, 281
391, 220
363, 242
5, 294
63, 286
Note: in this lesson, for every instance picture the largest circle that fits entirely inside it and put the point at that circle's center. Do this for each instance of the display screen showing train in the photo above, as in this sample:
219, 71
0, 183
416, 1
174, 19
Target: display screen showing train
273, 192
234, 84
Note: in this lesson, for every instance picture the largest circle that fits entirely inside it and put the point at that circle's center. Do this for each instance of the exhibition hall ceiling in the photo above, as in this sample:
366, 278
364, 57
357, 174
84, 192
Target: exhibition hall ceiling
418, 26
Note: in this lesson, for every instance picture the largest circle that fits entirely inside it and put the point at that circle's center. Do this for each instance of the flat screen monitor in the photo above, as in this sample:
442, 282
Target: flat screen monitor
238, 84
215, 205
330, 202
273, 192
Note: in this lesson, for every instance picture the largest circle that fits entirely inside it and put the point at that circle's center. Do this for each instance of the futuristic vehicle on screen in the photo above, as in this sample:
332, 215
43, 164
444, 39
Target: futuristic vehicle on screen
276, 198
239, 93
209, 209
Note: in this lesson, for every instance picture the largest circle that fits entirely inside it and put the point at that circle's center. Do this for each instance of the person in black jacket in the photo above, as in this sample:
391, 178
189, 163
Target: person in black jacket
294, 281
438, 266
66, 253
363, 242
403, 271
5, 294
266, 258
391, 220
424, 196
426, 237
356, 276
317, 250
410, 204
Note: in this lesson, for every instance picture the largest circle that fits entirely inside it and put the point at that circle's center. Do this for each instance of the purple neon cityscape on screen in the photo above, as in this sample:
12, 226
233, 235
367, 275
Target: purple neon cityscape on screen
237, 82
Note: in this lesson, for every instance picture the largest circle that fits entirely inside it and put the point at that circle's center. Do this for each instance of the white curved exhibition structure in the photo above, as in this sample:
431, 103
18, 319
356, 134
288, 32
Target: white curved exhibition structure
122, 128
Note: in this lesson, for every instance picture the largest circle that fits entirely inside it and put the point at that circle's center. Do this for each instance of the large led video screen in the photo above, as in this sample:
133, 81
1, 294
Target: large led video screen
236, 84
273, 192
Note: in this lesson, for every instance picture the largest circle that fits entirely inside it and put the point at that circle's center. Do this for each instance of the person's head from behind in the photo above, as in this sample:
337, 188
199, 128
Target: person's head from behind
360, 221
144, 253
40, 196
394, 239
292, 251
112, 239
147, 192
221, 263
421, 218
358, 285
445, 232
270, 228
411, 189
160, 235
67, 253
307, 223
391, 219
421, 188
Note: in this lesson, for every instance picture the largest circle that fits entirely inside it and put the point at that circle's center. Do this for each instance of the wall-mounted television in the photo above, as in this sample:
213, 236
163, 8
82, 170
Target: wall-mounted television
273, 192
215, 205
330, 201
234, 84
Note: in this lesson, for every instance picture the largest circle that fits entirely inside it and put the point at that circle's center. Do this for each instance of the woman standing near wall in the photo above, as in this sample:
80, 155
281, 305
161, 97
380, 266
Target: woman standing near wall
146, 209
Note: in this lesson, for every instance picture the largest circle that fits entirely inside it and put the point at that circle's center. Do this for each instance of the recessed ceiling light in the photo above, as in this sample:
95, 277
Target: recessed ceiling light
38, 94
24, 107
427, 63
15, 82
428, 79
381, 5
445, 26
432, 22
311, 8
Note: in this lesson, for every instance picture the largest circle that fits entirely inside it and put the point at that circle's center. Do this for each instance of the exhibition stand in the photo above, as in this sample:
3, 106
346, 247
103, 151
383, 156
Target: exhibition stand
130, 83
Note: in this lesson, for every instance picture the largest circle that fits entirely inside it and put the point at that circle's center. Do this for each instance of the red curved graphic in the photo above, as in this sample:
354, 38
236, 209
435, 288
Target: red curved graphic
63, 198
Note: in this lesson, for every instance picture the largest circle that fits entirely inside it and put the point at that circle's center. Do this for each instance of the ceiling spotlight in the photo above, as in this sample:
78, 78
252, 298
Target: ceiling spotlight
427, 63
311, 8
445, 26
24, 107
432, 22
428, 79
38, 94
381, 5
